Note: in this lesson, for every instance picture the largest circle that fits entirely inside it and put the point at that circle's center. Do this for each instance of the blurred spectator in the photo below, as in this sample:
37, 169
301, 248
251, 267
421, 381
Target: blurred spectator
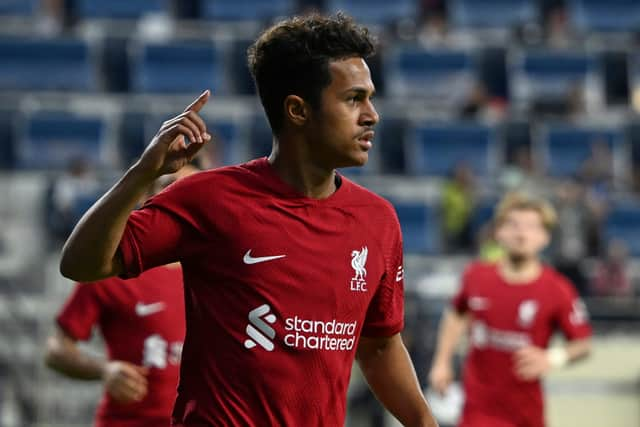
611, 277
571, 240
481, 106
597, 170
521, 173
52, 17
432, 29
489, 250
557, 32
68, 194
457, 200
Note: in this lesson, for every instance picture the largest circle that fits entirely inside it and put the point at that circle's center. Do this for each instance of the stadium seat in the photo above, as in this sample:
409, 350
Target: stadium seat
50, 140
435, 149
492, 13
442, 76
46, 64
19, 7
564, 148
554, 75
420, 227
604, 15
375, 11
177, 67
260, 137
245, 10
623, 223
119, 9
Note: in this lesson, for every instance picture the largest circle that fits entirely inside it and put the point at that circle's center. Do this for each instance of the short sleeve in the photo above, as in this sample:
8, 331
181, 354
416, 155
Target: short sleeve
460, 301
80, 312
572, 315
160, 232
385, 315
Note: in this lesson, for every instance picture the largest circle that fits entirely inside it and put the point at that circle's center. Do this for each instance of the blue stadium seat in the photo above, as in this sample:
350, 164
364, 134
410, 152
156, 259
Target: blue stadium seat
623, 223
245, 10
605, 15
492, 13
19, 7
376, 11
420, 226
260, 137
435, 149
50, 140
564, 148
443, 75
176, 67
554, 75
51, 64
120, 9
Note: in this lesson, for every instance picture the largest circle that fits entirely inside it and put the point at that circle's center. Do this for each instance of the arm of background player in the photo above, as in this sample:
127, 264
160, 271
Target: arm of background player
90, 253
532, 362
123, 381
389, 372
452, 326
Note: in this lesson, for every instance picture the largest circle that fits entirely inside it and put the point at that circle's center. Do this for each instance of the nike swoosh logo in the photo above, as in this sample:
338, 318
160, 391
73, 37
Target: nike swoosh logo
143, 310
248, 259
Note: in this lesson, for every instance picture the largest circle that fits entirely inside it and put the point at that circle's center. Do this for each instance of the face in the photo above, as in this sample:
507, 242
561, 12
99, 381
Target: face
522, 234
340, 131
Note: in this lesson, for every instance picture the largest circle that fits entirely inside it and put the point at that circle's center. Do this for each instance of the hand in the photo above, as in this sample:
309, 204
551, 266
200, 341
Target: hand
531, 363
125, 382
441, 376
168, 151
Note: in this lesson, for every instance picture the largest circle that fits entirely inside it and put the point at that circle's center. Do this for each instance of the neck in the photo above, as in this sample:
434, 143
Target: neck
297, 168
519, 270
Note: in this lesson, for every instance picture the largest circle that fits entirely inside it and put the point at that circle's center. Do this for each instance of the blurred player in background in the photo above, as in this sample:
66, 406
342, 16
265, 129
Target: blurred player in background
291, 270
143, 324
512, 308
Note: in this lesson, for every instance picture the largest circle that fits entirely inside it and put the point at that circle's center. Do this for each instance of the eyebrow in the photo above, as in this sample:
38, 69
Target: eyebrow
360, 91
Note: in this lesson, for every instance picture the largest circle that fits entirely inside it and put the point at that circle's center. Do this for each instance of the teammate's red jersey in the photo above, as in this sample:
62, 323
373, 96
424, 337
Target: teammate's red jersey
142, 321
279, 287
505, 318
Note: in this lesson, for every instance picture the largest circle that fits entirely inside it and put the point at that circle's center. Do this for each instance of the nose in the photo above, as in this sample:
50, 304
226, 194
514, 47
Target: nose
369, 115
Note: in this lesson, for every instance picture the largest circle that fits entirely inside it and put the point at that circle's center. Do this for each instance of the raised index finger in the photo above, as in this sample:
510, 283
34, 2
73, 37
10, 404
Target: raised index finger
199, 102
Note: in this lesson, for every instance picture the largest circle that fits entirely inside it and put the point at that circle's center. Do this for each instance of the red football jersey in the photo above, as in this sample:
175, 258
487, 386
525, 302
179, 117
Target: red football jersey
279, 287
505, 318
142, 321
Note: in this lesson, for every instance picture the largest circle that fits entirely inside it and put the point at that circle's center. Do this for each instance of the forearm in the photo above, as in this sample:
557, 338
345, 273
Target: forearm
572, 351
391, 376
67, 359
90, 252
452, 327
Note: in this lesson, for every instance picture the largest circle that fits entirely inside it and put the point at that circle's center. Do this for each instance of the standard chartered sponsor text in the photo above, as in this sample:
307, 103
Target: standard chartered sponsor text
318, 335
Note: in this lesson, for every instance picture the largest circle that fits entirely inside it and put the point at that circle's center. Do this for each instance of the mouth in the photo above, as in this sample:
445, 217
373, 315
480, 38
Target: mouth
366, 139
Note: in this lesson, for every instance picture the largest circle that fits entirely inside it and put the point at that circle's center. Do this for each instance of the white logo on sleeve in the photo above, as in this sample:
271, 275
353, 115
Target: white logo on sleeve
399, 274
358, 261
527, 312
155, 352
579, 315
248, 259
478, 303
143, 310
258, 330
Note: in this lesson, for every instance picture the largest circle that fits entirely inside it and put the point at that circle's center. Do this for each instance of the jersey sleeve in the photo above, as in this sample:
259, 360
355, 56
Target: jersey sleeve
163, 231
80, 312
460, 301
572, 316
385, 315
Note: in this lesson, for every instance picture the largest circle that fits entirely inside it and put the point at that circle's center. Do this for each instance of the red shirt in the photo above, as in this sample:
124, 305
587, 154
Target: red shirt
505, 318
142, 322
279, 287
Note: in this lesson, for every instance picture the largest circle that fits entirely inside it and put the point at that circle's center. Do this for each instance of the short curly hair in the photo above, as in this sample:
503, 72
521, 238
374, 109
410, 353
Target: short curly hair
292, 58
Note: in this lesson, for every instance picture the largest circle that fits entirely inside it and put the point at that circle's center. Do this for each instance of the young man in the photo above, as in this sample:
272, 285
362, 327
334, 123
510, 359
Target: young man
512, 308
143, 324
291, 271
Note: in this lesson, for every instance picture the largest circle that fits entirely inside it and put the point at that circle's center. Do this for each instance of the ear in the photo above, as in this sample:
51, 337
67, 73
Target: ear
296, 110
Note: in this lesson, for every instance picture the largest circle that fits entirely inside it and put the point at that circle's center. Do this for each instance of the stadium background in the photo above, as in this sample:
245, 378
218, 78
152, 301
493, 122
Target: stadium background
476, 97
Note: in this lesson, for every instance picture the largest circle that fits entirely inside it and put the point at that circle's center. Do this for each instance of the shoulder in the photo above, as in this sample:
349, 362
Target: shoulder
561, 286
479, 268
375, 204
